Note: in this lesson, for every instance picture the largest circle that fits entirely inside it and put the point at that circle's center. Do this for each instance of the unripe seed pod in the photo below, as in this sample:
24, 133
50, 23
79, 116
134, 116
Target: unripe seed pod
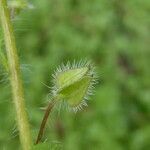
73, 84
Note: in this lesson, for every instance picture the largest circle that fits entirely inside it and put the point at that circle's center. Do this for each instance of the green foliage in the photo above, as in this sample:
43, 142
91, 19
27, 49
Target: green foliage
115, 35
48, 146
16, 6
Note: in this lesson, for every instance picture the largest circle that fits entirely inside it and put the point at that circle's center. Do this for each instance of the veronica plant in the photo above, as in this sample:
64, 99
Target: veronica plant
72, 83
72, 86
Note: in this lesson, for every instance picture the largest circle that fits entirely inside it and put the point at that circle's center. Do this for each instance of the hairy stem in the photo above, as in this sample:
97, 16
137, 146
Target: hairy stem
15, 77
45, 118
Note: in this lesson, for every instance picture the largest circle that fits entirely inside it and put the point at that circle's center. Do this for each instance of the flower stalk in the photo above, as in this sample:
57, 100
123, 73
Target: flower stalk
44, 120
15, 77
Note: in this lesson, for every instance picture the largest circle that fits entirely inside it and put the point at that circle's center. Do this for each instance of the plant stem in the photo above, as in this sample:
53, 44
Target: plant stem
15, 77
45, 118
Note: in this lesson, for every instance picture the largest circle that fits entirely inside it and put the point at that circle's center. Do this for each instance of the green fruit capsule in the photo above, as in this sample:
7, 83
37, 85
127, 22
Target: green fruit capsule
73, 83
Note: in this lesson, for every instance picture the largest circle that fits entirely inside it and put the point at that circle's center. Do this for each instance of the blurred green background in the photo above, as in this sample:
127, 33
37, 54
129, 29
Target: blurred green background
115, 35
